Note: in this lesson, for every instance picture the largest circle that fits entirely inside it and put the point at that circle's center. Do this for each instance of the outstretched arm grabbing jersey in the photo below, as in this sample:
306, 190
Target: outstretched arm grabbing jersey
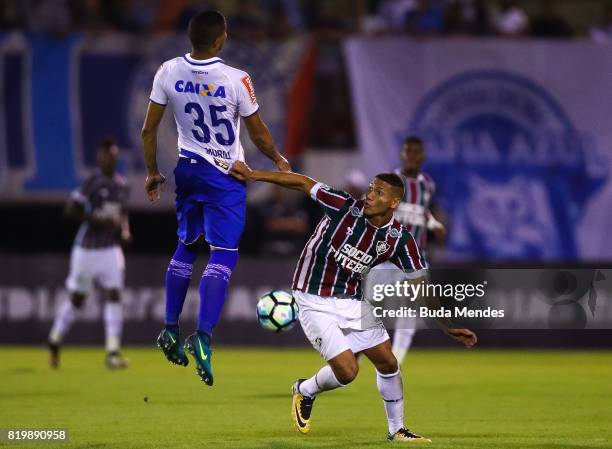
291, 180
379, 210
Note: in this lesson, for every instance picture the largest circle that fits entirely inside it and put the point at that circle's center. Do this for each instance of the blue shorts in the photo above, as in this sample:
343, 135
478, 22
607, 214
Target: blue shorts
208, 202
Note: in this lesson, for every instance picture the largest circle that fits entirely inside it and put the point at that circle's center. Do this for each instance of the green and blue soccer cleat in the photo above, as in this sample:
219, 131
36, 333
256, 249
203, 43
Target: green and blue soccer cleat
169, 342
198, 346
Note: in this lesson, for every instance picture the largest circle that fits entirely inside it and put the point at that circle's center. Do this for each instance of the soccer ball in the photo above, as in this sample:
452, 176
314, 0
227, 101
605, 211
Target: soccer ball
277, 311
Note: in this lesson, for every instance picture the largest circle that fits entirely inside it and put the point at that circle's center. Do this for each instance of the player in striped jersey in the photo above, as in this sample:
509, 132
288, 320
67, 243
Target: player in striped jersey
414, 212
97, 258
353, 236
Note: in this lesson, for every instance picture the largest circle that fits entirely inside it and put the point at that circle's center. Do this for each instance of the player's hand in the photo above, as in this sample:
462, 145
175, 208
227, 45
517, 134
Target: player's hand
282, 164
241, 171
440, 233
465, 336
154, 185
126, 237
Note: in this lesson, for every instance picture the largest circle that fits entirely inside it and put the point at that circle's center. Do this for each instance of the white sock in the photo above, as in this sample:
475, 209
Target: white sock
64, 317
402, 339
392, 391
113, 324
324, 380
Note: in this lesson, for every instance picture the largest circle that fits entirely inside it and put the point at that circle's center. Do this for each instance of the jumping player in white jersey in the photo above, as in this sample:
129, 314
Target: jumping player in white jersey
353, 236
208, 98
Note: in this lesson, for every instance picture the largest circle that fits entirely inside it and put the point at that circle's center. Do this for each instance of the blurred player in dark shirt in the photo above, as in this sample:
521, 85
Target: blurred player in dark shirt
414, 213
97, 258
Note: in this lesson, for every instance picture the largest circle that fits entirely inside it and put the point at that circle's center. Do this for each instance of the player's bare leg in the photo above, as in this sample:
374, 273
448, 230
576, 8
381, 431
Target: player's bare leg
113, 325
389, 382
340, 371
64, 317
402, 340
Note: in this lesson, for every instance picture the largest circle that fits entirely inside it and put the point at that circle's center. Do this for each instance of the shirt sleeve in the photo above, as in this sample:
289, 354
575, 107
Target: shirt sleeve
408, 257
158, 93
247, 101
333, 201
82, 194
77, 196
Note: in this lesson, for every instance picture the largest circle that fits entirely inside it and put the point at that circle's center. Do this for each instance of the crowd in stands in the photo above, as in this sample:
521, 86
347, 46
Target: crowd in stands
466, 17
265, 19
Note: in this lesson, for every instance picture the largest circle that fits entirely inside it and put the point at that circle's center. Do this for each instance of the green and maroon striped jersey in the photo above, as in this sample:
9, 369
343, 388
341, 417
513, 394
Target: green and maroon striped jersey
345, 245
414, 210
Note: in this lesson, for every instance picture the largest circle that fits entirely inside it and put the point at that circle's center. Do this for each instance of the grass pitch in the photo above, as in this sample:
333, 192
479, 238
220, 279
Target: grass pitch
459, 399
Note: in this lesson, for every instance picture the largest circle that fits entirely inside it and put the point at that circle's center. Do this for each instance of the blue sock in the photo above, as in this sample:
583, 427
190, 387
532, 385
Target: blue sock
213, 287
178, 277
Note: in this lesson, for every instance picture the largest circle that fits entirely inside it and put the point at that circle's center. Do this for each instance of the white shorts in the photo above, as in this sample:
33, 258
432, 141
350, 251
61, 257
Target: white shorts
105, 267
334, 325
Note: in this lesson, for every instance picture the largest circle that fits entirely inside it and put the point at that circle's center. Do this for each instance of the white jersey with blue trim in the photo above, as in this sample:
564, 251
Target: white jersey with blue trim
208, 98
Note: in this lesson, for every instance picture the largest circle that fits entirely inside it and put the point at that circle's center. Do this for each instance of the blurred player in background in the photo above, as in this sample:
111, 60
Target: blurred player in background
97, 258
353, 236
207, 98
414, 213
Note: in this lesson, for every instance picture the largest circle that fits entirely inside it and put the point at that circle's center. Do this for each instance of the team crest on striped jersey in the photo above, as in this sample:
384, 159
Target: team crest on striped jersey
381, 247
355, 212
394, 233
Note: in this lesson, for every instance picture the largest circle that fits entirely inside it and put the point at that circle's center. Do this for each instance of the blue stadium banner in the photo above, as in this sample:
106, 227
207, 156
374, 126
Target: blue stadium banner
517, 136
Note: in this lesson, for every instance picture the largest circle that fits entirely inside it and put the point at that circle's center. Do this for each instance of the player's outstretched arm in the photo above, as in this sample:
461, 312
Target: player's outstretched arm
126, 235
261, 137
464, 336
436, 227
154, 182
291, 180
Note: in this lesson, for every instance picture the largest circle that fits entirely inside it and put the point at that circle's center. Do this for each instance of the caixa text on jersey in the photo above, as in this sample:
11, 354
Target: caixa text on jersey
206, 90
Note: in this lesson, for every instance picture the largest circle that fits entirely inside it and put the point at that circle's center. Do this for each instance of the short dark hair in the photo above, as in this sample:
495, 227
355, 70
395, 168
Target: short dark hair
204, 28
413, 139
393, 180
106, 144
